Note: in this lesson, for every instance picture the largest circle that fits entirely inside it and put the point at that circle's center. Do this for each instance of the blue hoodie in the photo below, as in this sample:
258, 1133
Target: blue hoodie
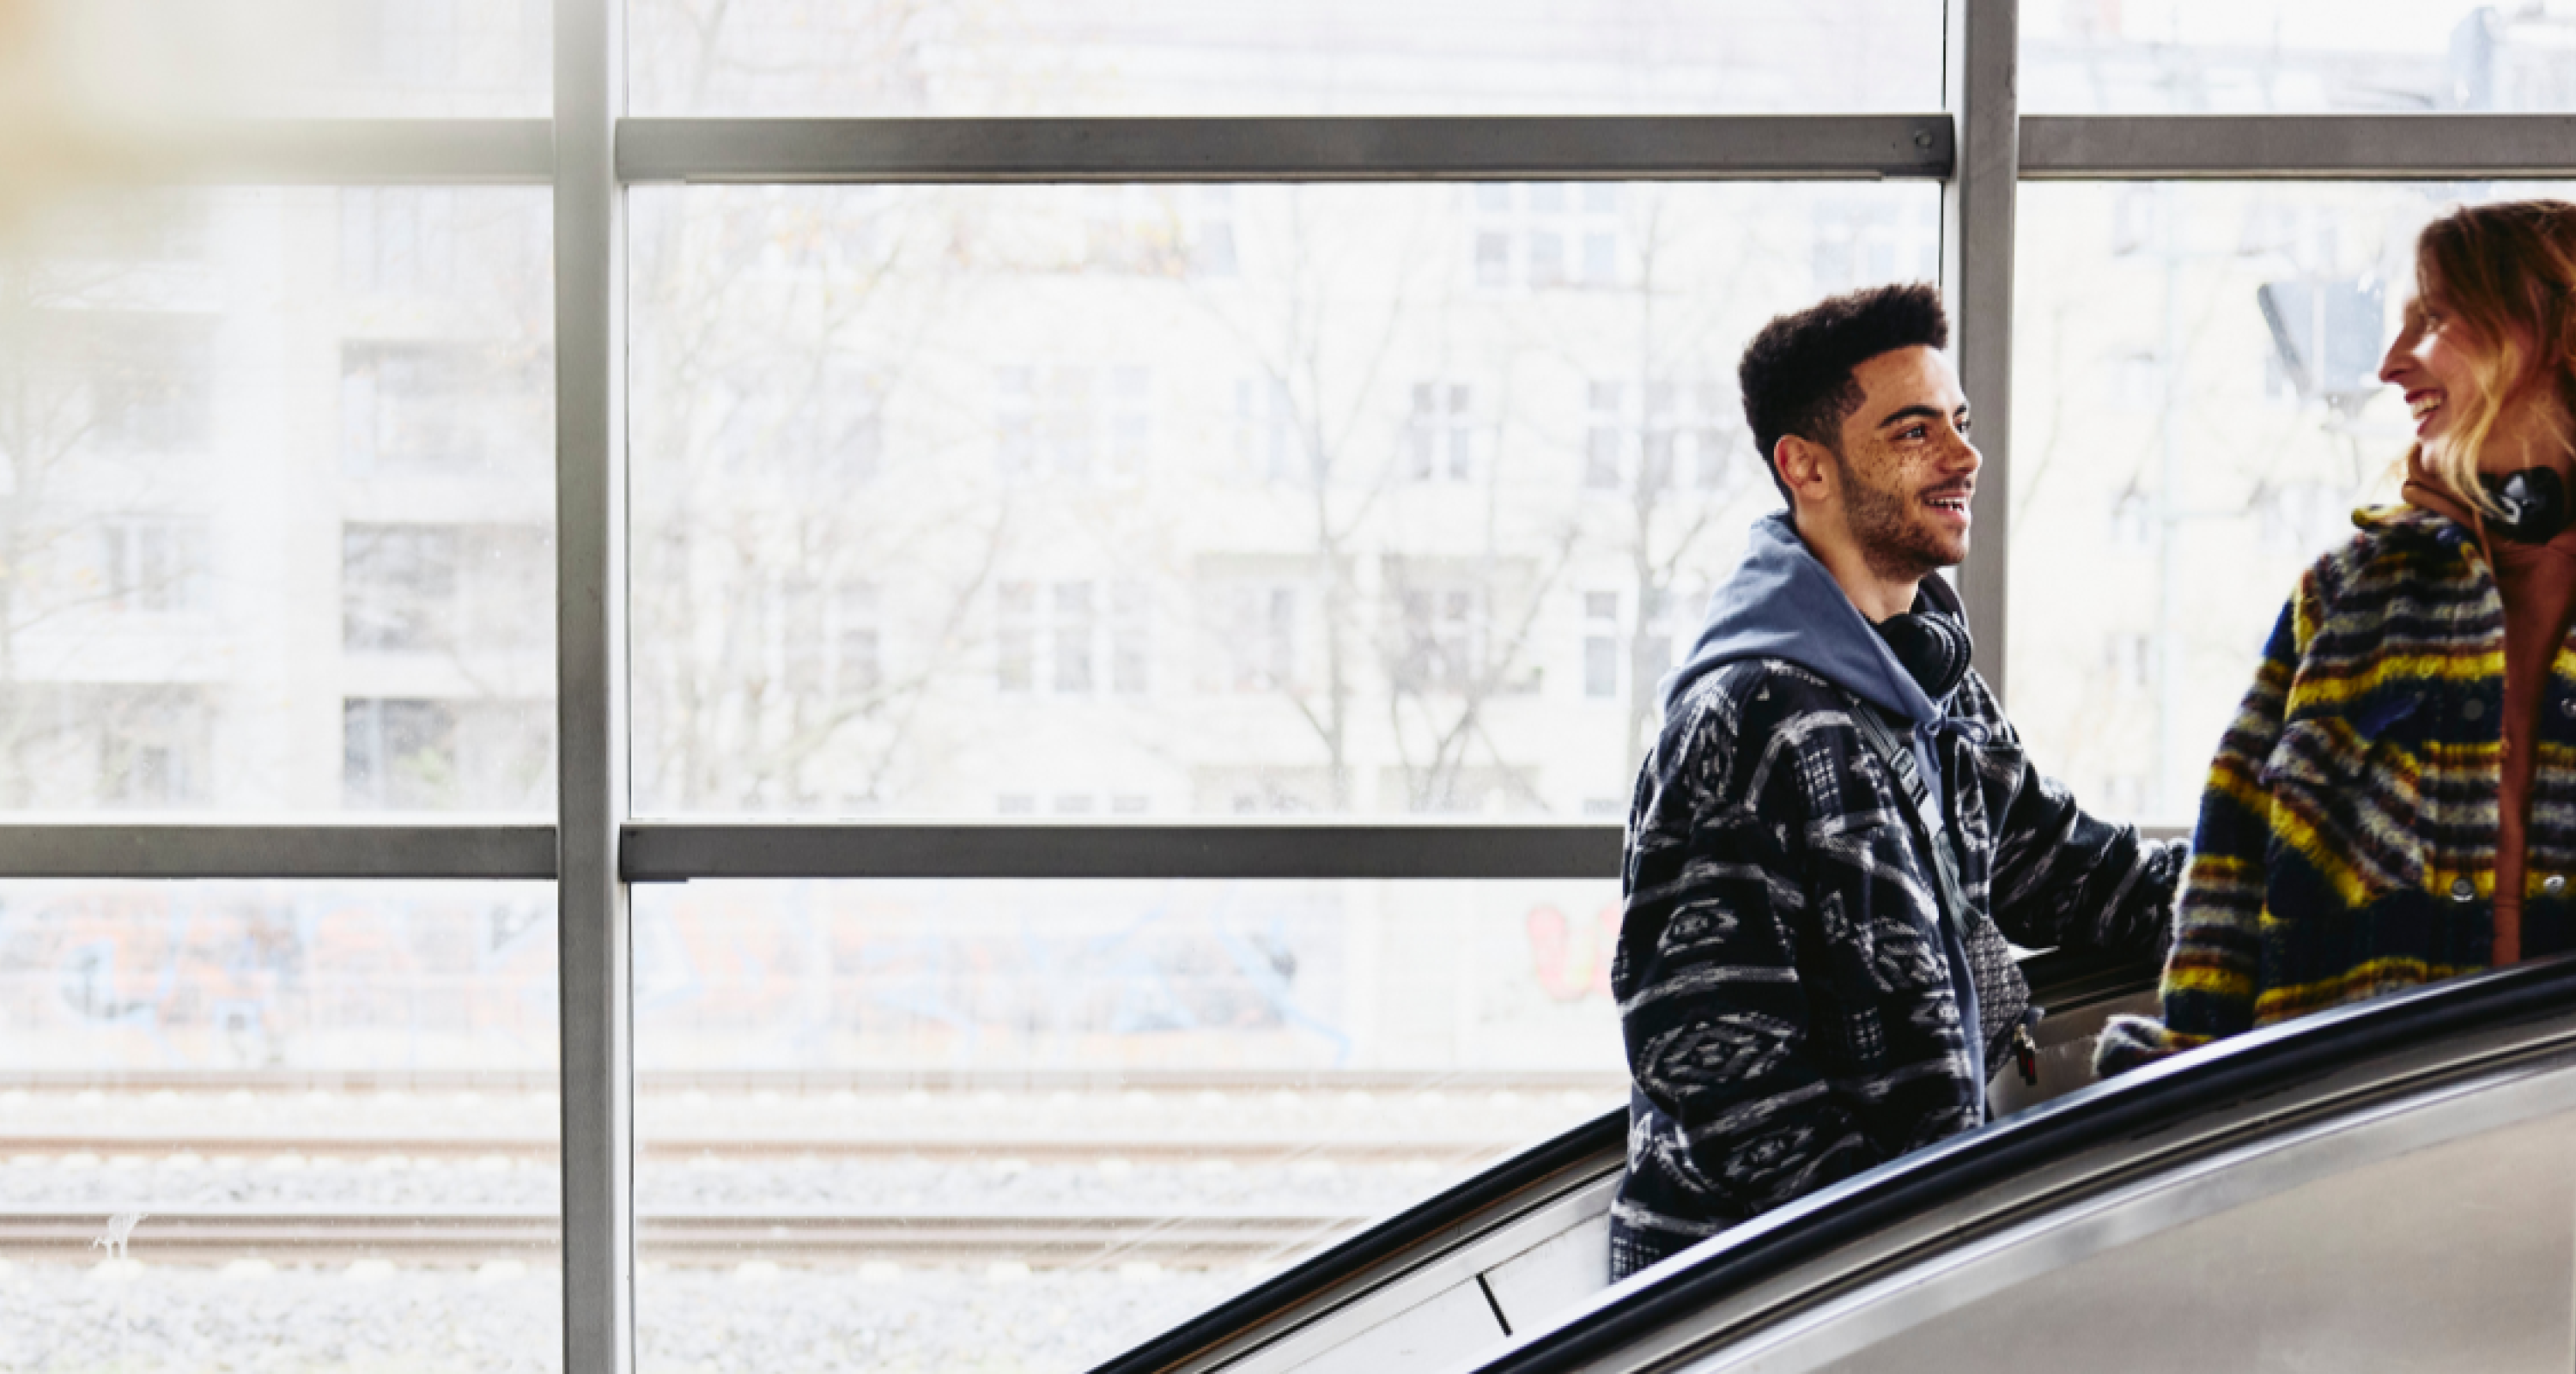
1781, 603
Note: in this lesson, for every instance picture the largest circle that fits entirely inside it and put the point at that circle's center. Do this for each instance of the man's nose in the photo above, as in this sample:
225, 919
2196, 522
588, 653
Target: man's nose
1966, 459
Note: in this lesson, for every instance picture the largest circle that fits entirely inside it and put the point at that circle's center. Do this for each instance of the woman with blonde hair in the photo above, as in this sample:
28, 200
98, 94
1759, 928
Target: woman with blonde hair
2395, 802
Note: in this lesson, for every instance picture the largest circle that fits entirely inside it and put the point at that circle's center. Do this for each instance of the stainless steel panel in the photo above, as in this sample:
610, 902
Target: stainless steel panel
1626, 148
1552, 1277
2438, 1234
277, 851
2440, 147
1438, 1280
1452, 1326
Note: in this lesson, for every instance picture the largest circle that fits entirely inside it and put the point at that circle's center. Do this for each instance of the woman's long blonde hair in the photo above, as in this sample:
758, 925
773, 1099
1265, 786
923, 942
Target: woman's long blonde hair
2507, 272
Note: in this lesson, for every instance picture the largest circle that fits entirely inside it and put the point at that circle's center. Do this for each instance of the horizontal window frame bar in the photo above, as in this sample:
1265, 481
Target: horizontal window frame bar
2151, 147
678, 851
671, 851
298, 152
1402, 148
217, 850
2406, 147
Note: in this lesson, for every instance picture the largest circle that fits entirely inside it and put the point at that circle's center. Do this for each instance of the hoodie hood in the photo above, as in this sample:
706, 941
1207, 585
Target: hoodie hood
1781, 603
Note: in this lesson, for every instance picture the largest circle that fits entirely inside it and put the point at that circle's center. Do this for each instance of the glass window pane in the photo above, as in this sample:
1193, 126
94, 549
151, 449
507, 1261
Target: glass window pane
280, 1125
1307, 528
1308, 57
2196, 414
276, 502
1022, 1125
109, 72
2295, 57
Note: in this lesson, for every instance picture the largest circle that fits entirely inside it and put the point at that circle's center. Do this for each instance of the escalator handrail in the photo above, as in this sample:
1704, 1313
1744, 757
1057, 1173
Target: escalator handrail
2053, 975
2161, 1094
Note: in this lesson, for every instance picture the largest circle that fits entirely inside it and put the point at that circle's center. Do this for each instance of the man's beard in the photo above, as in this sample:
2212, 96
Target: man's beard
1883, 523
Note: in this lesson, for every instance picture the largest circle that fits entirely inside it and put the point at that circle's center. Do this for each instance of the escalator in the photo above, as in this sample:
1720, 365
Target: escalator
1524, 1241
2388, 1186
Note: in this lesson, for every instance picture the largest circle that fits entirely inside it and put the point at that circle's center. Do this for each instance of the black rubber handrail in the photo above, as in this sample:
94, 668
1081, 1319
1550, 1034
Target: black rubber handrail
2158, 1096
2056, 977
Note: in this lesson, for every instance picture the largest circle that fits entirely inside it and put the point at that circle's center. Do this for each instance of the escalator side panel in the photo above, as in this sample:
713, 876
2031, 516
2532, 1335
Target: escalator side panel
1433, 1333
1554, 1277
1444, 1287
2437, 1237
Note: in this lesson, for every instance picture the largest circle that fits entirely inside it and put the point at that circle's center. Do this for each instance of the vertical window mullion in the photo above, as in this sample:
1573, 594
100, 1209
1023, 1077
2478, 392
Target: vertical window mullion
1979, 58
592, 801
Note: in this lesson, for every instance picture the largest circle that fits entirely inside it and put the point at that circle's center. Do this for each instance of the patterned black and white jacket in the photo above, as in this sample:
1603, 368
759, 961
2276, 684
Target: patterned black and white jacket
1782, 985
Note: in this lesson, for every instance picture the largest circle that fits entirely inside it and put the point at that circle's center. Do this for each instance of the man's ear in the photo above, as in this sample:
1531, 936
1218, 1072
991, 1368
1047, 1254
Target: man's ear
1806, 466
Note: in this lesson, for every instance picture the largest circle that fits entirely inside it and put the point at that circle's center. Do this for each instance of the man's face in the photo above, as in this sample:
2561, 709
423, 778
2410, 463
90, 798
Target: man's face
1906, 467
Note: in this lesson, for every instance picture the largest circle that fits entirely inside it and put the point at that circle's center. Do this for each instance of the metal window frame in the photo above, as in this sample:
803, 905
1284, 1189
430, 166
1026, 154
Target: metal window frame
1979, 147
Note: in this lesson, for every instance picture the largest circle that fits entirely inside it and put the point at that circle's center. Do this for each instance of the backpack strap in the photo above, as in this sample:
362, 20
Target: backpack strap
1928, 825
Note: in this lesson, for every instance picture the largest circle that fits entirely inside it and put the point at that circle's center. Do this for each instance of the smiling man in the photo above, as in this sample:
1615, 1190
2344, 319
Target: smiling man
1837, 832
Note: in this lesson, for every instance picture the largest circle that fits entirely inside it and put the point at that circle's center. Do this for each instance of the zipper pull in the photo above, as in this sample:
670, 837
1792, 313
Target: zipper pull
2025, 1052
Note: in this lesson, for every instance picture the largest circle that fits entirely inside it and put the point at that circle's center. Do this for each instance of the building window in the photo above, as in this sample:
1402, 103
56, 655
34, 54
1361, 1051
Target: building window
1159, 231
1600, 645
420, 755
153, 567
1252, 628
1653, 650
1073, 638
857, 641
1601, 437
398, 588
1061, 422
439, 408
153, 744
1866, 240
1681, 433
438, 588
1563, 235
1440, 434
2130, 659
1442, 638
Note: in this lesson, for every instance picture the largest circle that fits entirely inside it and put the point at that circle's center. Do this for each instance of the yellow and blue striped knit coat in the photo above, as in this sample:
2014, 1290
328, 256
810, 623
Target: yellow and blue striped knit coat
2347, 839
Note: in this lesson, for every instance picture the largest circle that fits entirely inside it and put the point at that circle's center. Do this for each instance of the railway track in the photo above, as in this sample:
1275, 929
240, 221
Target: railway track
1205, 1240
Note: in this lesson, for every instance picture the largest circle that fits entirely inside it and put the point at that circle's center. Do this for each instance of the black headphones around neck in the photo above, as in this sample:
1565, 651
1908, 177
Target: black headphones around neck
2534, 502
1933, 647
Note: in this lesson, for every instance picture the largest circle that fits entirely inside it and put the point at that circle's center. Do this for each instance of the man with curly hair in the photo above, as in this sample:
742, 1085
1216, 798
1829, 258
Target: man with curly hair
1837, 832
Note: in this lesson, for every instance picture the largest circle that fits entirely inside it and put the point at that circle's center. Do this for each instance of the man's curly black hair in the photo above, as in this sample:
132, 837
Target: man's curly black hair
1797, 373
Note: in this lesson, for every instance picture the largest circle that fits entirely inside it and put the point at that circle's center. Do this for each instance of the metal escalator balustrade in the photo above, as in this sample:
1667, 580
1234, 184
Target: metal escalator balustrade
2390, 1185
1518, 1243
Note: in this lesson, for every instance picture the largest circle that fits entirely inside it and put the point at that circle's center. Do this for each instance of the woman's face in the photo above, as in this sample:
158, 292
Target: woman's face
2434, 363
